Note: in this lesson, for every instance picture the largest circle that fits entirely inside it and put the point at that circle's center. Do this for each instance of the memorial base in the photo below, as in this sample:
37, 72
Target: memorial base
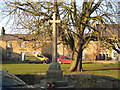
54, 72
46, 84
54, 75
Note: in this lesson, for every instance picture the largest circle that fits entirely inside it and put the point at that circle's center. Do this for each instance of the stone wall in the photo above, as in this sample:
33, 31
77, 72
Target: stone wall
16, 49
79, 80
93, 81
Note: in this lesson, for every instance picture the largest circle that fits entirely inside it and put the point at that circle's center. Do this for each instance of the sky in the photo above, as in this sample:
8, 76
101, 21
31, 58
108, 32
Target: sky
8, 26
3, 22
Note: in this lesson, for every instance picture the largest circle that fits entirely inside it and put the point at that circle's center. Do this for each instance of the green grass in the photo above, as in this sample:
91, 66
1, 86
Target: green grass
102, 69
93, 69
25, 68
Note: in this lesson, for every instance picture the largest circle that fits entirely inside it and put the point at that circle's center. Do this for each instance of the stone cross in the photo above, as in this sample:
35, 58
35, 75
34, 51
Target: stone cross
54, 47
54, 71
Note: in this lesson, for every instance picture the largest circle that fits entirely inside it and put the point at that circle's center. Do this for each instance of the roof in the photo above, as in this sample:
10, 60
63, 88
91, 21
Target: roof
113, 29
25, 37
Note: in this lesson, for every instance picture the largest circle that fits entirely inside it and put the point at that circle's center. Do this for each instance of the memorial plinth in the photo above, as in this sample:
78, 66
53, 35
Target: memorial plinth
54, 72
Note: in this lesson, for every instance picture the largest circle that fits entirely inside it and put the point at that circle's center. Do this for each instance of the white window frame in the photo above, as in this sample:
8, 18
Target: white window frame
9, 44
22, 44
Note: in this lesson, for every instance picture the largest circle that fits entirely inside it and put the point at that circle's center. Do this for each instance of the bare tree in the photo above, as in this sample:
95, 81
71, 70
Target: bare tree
84, 24
78, 22
111, 38
32, 16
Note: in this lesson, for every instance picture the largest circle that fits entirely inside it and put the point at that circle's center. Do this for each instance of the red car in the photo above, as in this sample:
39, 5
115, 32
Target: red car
64, 59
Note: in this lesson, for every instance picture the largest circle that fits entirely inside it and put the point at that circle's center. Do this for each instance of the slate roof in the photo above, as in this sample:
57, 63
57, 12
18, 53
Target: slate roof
114, 28
25, 37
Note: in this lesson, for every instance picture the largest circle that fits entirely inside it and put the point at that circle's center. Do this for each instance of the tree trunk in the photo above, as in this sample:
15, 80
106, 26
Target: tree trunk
72, 55
78, 64
119, 57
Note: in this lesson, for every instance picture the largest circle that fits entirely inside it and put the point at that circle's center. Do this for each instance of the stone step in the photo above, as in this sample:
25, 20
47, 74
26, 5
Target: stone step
69, 86
54, 84
60, 83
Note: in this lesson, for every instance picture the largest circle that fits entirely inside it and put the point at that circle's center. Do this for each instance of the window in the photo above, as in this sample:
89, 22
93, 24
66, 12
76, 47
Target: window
37, 44
63, 57
67, 58
22, 45
9, 44
40, 56
58, 46
8, 54
84, 55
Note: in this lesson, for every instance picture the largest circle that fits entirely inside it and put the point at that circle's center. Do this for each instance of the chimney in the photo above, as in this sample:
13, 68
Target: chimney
2, 31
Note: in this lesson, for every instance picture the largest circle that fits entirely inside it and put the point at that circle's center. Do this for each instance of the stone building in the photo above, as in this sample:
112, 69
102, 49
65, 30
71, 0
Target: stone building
112, 32
14, 46
94, 50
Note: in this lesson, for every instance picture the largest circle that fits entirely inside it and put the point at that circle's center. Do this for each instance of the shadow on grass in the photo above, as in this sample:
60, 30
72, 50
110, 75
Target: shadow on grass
104, 69
87, 63
12, 63
19, 63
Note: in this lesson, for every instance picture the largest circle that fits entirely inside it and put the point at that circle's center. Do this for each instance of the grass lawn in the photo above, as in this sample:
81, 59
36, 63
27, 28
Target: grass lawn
112, 70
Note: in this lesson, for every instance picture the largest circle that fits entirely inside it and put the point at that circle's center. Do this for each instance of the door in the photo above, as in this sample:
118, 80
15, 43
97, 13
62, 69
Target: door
23, 56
